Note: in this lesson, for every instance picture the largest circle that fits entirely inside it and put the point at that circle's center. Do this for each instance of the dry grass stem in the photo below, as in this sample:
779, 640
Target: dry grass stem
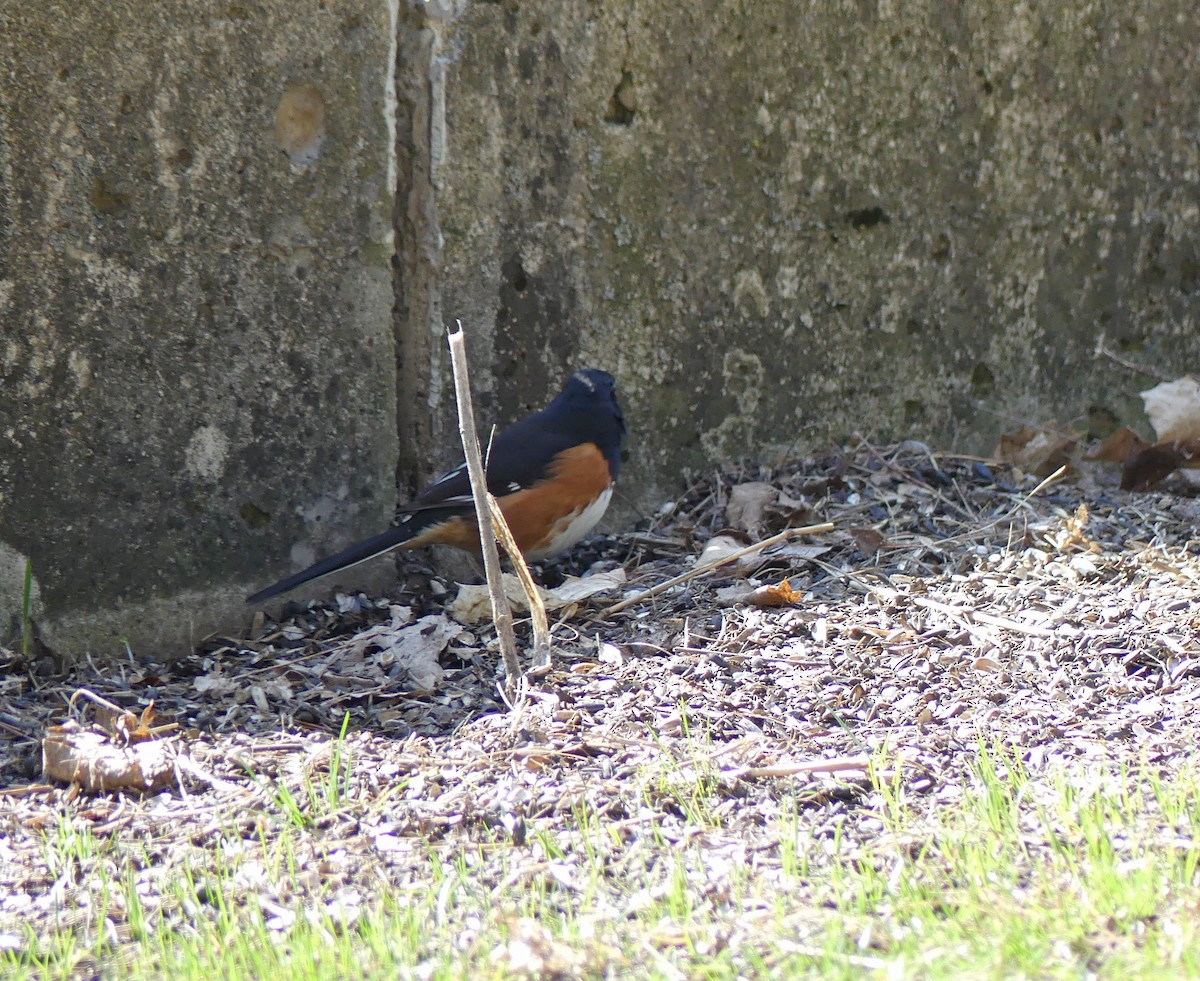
501, 612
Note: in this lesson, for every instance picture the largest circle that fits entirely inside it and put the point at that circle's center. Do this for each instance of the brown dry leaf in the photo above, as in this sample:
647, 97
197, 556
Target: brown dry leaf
1118, 447
747, 503
800, 516
867, 539
1174, 409
114, 721
1145, 464
1148, 466
1041, 450
89, 757
781, 594
130, 728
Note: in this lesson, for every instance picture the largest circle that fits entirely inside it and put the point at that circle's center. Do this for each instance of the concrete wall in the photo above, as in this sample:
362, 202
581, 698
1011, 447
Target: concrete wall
782, 222
776, 222
196, 372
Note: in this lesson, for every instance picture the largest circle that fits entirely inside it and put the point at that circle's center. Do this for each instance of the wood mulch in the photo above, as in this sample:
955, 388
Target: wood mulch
956, 604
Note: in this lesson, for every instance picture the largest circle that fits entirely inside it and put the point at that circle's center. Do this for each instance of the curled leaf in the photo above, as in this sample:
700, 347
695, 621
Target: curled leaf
1147, 467
747, 502
1174, 409
1042, 450
868, 540
781, 594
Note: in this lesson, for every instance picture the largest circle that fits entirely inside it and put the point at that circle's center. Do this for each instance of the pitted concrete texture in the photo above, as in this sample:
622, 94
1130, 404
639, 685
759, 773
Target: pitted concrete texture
776, 223
780, 223
197, 373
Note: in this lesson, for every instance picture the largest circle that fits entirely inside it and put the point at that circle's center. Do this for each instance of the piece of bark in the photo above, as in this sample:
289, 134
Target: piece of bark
88, 756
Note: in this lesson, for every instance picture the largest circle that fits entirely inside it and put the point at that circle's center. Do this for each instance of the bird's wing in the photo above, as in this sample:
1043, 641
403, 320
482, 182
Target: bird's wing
519, 457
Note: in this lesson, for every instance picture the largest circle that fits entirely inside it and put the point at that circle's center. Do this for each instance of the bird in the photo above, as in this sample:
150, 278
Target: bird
552, 472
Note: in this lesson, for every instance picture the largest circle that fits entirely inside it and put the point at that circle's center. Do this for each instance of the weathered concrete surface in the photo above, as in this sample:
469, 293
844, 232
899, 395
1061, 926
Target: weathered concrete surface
779, 222
196, 368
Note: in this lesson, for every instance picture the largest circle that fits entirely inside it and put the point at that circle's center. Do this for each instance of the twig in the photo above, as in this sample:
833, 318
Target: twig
97, 699
1046, 482
537, 609
501, 612
1141, 369
838, 765
1004, 623
783, 536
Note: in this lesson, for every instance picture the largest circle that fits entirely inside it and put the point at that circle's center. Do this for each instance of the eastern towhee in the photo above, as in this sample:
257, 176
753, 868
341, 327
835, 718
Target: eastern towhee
552, 473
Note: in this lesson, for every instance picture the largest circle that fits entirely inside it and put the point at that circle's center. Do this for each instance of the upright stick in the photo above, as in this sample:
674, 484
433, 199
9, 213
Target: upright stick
501, 612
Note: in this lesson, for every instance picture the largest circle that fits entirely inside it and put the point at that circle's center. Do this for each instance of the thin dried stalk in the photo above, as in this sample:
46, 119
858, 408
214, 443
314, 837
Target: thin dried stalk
501, 612
537, 609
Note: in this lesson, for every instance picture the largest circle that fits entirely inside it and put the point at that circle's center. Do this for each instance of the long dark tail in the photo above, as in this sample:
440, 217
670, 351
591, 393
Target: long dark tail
385, 541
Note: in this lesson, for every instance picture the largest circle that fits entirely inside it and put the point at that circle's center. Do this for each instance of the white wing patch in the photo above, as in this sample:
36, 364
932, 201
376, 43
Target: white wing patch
571, 528
450, 474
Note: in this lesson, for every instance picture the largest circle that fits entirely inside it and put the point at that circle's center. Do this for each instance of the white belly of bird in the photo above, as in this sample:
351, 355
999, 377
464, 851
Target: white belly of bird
570, 529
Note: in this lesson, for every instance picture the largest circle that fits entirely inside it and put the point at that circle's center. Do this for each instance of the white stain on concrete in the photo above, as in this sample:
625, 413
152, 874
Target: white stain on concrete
744, 378
207, 452
749, 294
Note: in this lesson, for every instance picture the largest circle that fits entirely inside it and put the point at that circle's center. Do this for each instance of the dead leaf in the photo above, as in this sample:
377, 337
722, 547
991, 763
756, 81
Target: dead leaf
747, 502
130, 728
739, 592
575, 589
1174, 409
1041, 451
868, 540
1148, 466
473, 604
794, 550
1145, 464
215, 683
719, 547
416, 648
781, 594
1118, 447
611, 654
1074, 535
800, 516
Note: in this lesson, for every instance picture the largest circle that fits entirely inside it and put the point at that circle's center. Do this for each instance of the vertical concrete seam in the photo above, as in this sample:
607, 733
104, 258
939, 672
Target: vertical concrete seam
391, 103
435, 147
420, 72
